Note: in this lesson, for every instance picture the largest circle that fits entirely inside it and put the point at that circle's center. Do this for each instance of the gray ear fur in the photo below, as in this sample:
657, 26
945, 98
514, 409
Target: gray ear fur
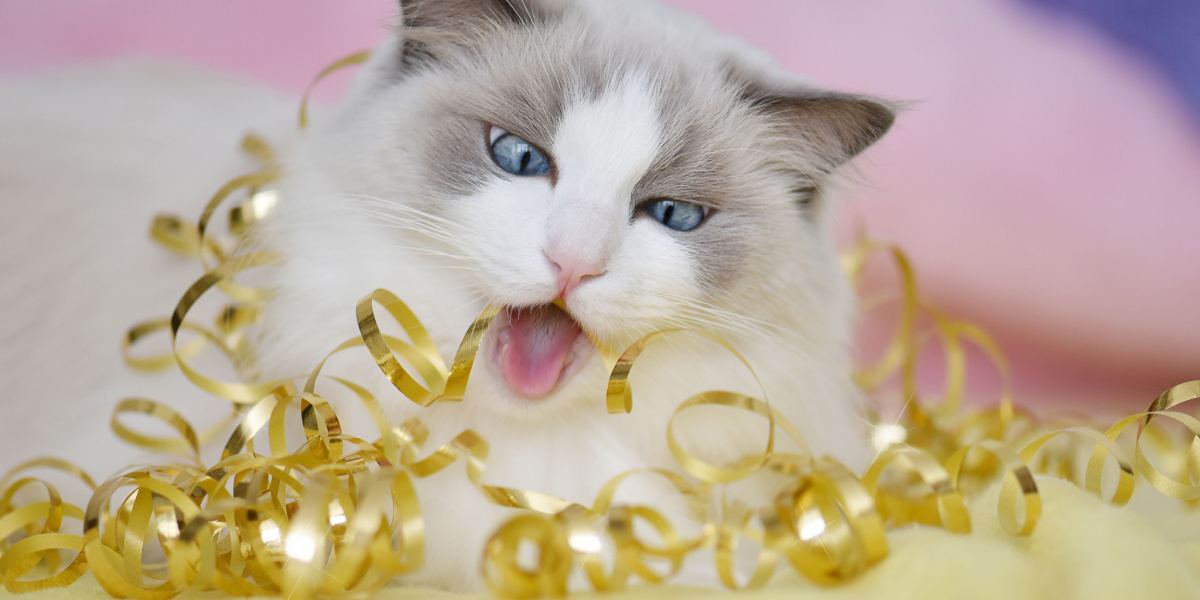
829, 128
834, 126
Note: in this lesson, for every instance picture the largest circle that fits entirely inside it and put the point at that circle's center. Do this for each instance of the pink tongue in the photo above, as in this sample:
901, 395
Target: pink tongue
538, 341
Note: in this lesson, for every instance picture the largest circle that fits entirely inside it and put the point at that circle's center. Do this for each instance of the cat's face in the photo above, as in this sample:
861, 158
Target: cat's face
601, 175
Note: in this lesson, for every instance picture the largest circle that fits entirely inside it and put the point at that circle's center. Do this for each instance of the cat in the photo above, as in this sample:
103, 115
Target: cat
600, 170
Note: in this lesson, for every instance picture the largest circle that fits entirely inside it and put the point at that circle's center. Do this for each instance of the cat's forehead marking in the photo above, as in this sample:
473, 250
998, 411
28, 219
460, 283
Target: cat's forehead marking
608, 142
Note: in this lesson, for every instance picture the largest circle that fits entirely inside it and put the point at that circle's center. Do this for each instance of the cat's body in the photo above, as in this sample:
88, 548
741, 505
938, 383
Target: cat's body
630, 103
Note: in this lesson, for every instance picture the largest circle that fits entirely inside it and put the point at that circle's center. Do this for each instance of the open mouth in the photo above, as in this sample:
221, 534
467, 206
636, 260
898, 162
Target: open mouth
537, 349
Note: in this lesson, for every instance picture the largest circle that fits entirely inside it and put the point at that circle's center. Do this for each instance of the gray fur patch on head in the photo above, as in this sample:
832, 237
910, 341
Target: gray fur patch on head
416, 14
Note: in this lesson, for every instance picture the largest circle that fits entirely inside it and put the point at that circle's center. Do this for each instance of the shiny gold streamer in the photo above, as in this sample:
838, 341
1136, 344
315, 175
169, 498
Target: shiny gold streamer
333, 515
357, 58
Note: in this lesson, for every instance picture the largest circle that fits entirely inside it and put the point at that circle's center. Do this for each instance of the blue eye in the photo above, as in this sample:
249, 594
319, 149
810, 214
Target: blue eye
676, 214
518, 156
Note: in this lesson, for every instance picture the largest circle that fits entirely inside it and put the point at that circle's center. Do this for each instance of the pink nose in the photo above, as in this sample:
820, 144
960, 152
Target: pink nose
572, 270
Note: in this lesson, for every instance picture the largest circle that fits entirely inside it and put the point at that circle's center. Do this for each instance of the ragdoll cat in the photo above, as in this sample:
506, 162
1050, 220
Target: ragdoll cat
601, 169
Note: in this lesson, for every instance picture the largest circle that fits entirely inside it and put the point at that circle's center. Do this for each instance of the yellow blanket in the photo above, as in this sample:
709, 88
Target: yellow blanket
1082, 549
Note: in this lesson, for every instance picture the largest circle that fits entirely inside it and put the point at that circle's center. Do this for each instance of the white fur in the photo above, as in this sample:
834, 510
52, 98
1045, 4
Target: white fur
603, 147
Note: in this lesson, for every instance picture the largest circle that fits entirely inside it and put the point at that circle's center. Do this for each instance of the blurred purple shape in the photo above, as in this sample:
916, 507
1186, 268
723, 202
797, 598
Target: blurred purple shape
1165, 32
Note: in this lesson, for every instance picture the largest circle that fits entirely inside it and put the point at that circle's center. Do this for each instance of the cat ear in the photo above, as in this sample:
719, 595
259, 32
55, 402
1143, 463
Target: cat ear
830, 128
456, 14
837, 127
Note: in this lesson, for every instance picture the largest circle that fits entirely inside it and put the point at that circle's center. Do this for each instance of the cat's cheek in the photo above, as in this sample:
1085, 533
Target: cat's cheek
651, 278
663, 263
505, 232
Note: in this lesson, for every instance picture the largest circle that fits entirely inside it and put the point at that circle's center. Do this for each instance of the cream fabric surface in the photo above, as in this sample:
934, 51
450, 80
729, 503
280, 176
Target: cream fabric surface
1082, 549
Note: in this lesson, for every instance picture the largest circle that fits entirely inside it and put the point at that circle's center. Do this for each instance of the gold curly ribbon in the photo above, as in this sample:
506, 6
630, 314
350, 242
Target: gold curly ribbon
357, 58
334, 515
421, 351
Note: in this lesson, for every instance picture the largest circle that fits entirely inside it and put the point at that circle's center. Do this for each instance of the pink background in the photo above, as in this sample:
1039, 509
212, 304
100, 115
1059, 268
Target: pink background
1045, 182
